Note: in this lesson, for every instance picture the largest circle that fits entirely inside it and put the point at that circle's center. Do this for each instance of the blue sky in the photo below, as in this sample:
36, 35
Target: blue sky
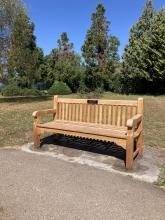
52, 17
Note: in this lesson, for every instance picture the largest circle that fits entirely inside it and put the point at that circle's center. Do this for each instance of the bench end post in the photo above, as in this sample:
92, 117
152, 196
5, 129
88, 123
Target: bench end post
36, 134
129, 149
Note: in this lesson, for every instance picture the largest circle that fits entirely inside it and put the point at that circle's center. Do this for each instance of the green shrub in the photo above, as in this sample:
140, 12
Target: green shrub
14, 90
30, 92
11, 90
59, 88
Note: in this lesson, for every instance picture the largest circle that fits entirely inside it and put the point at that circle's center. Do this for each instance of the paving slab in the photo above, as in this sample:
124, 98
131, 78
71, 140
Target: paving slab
70, 179
98, 154
38, 187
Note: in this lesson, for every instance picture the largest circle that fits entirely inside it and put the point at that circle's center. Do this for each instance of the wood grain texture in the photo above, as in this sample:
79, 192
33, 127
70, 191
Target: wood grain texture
81, 112
123, 123
118, 121
119, 117
114, 115
100, 114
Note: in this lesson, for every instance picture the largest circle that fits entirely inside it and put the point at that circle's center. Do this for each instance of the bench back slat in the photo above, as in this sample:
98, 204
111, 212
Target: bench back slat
112, 112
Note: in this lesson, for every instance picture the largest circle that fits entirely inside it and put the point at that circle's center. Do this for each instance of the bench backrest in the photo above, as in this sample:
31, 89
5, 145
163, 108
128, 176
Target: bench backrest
112, 112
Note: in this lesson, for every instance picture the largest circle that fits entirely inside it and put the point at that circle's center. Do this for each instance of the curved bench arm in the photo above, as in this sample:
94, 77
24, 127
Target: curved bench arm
43, 112
134, 121
38, 114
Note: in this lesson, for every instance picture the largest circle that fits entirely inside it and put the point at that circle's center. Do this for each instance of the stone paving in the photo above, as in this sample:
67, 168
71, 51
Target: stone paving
101, 155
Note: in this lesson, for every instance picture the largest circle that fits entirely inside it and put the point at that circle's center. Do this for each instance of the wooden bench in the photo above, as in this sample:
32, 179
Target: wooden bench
118, 121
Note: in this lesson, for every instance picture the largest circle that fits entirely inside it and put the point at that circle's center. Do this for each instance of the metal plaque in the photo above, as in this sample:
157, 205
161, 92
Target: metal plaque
92, 101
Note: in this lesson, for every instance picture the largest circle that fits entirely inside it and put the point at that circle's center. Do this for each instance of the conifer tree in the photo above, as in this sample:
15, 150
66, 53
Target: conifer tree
98, 51
153, 65
64, 46
134, 77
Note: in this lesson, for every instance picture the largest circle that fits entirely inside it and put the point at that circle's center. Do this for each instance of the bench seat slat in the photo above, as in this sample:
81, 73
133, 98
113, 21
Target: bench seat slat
87, 128
105, 120
92, 124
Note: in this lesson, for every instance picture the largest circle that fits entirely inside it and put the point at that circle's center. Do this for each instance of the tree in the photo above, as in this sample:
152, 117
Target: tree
134, 77
64, 64
9, 9
19, 56
24, 57
113, 65
64, 46
99, 51
153, 65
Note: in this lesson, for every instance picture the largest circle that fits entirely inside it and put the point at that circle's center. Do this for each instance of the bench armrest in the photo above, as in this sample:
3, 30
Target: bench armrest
134, 121
37, 114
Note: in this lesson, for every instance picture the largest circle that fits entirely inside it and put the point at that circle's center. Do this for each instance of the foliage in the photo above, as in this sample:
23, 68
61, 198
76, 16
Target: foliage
153, 65
19, 56
29, 92
100, 52
11, 90
23, 59
59, 88
99, 68
9, 10
14, 90
144, 57
63, 64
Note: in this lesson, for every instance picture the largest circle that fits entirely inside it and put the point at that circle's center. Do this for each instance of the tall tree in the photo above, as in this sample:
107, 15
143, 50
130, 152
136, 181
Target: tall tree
64, 46
99, 51
134, 77
64, 63
153, 65
9, 9
24, 57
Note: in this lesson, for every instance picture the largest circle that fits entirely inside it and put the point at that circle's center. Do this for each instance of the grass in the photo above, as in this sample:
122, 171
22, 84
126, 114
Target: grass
16, 118
161, 179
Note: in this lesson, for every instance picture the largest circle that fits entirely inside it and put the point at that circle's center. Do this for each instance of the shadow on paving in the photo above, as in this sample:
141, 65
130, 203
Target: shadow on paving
94, 146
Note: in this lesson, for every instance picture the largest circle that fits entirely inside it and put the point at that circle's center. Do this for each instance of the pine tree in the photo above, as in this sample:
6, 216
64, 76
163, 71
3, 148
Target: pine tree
134, 77
153, 65
144, 57
64, 46
98, 50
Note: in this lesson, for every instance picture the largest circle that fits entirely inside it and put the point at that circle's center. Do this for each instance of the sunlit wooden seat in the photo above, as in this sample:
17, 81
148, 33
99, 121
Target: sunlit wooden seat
108, 120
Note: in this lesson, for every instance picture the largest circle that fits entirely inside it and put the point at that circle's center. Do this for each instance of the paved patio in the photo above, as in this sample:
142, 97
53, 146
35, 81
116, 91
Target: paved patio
101, 155
65, 183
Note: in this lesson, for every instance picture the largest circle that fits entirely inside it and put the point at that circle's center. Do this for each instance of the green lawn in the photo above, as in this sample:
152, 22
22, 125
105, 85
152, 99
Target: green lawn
16, 119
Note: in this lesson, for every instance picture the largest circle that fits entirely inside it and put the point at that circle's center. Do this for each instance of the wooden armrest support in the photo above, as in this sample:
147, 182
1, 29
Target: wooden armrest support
37, 114
134, 121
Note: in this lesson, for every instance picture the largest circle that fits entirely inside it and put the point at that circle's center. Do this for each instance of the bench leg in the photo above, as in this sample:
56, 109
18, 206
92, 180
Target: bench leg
139, 145
36, 136
129, 149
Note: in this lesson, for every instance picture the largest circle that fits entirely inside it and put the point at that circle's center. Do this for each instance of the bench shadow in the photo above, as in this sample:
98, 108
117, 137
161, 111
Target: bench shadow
94, 146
